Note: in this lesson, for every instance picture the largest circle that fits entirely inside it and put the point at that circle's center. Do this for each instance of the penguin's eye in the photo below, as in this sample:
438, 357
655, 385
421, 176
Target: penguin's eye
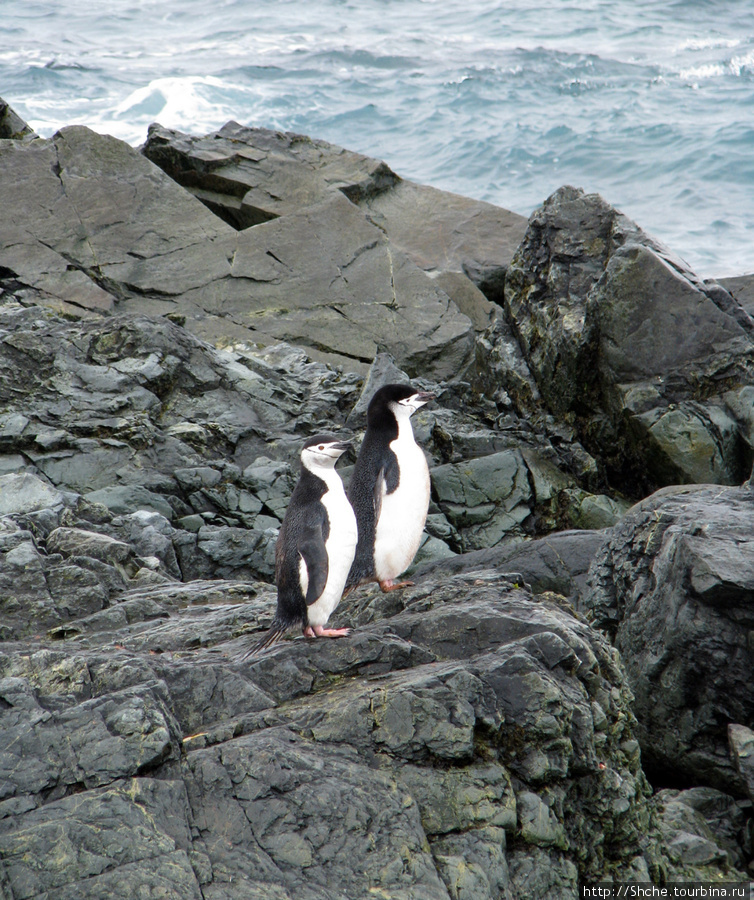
321, 447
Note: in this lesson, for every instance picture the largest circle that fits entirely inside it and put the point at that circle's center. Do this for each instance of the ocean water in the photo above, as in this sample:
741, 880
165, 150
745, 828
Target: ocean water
650, 104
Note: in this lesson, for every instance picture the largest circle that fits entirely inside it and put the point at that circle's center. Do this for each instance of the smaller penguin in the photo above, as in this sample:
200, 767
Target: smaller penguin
389, 489
315, 546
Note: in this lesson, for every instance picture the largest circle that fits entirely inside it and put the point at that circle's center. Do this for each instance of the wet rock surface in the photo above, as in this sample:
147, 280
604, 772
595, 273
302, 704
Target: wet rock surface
562, 697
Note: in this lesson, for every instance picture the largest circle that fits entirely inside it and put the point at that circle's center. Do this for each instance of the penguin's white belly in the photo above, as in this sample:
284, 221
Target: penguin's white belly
341, 548
403, 513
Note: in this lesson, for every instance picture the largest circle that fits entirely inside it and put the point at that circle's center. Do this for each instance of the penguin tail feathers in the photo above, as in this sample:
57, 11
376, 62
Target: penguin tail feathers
357, 576
275, 632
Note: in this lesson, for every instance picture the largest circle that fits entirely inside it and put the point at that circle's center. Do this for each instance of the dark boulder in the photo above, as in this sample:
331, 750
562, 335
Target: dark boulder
651, 363
12, 126
673, 586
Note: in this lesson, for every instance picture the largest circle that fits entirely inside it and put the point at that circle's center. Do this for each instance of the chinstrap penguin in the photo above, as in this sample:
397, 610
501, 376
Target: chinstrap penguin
315, 546
389, 489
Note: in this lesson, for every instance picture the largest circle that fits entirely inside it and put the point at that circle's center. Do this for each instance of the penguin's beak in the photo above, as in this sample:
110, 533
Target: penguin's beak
341, 445
417, 400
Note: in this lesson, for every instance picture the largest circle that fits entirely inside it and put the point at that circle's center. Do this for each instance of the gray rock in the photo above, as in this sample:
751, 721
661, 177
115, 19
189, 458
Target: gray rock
456, 239
343, 296
239, 551
76, 542
251, 175
672, 584
473, 864
151, 535
592, 300
697, 839
594, 511
724, 820
322, 275
130, 832
742, 288
740, 403
741, 741
537, 873
558, 563
183, 453
537, 822
127, 498
25, 493
471, 737
302, 748
485, 499
382, 371
431, 549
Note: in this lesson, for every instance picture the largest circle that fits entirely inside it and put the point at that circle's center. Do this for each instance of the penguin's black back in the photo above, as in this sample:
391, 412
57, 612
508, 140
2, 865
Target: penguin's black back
304, 512
376, 461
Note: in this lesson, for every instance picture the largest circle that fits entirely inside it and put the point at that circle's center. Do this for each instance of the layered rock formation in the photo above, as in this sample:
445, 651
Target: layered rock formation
562, 698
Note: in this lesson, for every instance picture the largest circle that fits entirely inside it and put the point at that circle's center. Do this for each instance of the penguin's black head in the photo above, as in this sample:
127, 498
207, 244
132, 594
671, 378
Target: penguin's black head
322, 451
395, 401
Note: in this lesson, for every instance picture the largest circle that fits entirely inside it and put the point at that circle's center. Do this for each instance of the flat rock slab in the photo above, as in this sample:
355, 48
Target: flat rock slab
251, 175
24, 493
95, 226
447, 233
559, 562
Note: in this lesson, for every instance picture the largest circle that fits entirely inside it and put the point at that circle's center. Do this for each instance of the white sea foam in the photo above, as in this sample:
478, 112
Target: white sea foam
698, 73
707, 43
178, 98
741, 65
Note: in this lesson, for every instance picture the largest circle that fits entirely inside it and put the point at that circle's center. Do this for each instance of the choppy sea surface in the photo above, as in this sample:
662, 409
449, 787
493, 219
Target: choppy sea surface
650, 104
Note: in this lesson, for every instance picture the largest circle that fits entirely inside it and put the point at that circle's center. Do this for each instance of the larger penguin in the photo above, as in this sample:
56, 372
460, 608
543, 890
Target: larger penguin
389, 489
315, 547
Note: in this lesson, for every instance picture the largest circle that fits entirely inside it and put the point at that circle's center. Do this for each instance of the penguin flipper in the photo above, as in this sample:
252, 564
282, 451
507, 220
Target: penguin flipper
314, 554
385, 483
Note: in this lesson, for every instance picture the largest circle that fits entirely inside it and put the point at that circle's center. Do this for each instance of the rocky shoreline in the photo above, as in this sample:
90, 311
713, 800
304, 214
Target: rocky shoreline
563, 697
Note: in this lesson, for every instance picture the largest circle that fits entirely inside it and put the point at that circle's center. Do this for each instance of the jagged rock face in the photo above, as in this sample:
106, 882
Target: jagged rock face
253, 175
137, 413
651, 362
674, 584
466, 740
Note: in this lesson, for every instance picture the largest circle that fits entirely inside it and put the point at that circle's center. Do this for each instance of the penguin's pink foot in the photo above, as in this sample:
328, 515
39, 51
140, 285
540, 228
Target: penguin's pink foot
390, 585
321, 631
